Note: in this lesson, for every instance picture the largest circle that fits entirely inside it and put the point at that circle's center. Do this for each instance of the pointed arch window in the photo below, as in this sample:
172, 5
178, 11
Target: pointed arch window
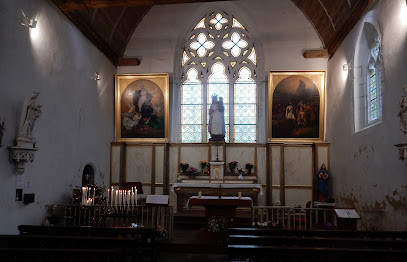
374, 84
218, 58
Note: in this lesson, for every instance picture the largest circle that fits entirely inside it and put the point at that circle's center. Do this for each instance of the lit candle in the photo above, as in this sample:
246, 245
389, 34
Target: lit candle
108, 196
136, 197
94, 193
83, 195
116, 199
129, 198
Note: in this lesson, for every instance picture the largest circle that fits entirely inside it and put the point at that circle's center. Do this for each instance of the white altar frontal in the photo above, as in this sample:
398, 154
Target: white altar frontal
216, 170
186, 190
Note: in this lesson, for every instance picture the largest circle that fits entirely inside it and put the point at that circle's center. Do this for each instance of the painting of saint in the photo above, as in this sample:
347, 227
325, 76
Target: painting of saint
295, 111
142, 110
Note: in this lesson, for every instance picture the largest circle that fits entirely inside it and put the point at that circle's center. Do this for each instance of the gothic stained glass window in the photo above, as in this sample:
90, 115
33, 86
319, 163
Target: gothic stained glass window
218, 58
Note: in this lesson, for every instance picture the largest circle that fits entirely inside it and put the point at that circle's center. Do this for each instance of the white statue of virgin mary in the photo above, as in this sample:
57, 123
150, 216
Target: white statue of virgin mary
216, 126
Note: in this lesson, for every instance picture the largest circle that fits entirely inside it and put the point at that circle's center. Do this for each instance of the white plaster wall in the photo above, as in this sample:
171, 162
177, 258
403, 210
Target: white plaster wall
280, 30
76, 126
365, 168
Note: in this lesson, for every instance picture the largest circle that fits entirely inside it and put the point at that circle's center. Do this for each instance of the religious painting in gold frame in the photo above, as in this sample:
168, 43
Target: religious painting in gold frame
142, 107
296, 106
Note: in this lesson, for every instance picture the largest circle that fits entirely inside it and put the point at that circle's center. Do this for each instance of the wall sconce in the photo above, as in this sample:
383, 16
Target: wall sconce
28, 22
346, 67
96, 77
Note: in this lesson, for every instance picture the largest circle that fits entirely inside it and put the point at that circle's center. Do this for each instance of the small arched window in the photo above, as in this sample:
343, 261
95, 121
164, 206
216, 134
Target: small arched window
218, 58
368, 78
374, 84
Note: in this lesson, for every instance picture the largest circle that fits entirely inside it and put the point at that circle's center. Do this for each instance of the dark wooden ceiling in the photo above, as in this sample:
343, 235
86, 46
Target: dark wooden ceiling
109, 24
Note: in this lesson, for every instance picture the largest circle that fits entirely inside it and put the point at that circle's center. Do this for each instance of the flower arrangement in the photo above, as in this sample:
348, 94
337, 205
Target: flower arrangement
232, 166
203, 165
191, 171
249, 167
218, 225
161, 233
267, 224
184, 167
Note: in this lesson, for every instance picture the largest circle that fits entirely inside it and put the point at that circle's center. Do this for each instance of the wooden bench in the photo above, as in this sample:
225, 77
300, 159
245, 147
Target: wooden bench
60, 254
319, 245
133, 243
402, 235
287, 253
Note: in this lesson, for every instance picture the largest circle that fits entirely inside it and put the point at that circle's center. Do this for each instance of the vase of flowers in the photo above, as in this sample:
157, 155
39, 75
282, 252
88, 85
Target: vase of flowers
249, 167
184, 167
232, 167
203, 165
191, 172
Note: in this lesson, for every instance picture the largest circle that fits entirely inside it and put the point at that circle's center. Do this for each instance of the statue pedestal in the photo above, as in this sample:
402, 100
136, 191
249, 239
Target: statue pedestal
402, 150
21, 155
217, 170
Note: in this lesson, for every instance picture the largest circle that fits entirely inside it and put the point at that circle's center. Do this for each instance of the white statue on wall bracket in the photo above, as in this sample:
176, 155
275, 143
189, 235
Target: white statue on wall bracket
24, 150
403, 125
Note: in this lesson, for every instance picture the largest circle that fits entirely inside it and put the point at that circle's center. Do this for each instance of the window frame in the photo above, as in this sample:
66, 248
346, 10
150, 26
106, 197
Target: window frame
231, 71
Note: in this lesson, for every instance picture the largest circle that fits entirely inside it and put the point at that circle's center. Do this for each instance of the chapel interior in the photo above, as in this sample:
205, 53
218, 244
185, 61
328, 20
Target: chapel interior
77, 65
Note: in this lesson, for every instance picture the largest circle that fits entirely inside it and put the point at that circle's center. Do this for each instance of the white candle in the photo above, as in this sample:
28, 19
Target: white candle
112, 197
116, 199
136, 196
94, 194
83, 195
108, 196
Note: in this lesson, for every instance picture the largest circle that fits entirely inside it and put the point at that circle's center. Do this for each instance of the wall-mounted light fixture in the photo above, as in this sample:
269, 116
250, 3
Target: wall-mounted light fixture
28, 22
346, 67
96, 76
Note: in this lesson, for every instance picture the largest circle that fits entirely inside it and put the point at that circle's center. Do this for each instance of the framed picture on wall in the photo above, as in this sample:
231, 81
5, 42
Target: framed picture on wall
141, 107
296, 106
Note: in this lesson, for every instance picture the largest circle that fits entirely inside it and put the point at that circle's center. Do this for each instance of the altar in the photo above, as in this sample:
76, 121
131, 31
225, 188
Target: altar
185, 191
216, 206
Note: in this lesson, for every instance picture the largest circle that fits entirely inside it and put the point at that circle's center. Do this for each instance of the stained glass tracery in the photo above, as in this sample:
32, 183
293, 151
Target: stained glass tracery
229, 74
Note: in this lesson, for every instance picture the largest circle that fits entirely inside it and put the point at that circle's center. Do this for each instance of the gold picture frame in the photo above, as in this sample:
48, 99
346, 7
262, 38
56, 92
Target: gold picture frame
142, 107
296, 106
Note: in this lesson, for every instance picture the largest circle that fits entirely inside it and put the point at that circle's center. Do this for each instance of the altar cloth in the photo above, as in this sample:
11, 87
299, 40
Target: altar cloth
235, 201
220, 185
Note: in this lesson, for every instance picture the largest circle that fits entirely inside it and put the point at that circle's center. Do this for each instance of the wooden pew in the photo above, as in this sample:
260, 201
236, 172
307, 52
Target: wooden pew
304, 245
317, 242
261, 253
132, 242
402, 235
23, 254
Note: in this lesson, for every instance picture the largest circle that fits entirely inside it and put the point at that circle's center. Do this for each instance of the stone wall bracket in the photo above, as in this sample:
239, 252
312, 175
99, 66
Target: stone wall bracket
20, 155
402, 150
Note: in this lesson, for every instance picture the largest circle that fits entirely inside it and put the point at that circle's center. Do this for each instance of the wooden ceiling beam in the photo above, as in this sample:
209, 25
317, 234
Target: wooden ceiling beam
319, 53
128, 61
77, 5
